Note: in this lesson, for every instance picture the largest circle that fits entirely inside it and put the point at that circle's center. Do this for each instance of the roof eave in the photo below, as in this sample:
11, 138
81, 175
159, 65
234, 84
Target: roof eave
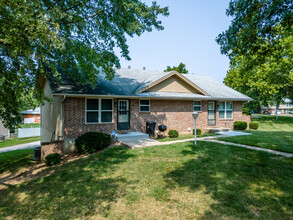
153, 97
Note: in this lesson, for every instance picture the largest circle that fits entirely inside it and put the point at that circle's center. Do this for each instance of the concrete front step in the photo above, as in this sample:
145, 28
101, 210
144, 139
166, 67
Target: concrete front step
216, 129
132, 136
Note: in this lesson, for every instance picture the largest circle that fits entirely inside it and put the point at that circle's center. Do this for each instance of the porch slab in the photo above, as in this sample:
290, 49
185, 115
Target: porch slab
132, 135
232, 133
135, 144
216, 129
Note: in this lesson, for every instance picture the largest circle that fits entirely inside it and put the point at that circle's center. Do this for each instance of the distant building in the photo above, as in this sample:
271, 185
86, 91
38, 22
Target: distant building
3, 131
31, 116
284, 108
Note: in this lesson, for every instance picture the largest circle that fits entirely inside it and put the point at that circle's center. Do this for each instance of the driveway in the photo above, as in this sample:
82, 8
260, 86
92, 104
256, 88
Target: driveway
20, 147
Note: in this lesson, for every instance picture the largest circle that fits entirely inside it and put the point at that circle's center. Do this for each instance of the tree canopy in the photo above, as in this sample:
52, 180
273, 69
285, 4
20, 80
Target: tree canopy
181, 68
77, 36
259, 43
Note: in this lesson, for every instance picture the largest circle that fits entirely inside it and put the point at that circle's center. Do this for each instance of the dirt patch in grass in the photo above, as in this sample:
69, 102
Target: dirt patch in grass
33, 171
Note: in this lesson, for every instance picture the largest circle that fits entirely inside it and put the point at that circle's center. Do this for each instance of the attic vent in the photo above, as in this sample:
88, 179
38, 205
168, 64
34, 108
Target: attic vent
129, 67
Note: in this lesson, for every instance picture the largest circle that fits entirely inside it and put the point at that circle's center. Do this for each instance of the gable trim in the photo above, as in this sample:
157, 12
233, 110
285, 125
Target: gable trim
189, 82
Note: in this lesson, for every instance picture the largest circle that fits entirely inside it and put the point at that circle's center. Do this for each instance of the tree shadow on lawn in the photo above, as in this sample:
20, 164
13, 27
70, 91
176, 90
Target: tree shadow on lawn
242, 183
13, 161
78, 189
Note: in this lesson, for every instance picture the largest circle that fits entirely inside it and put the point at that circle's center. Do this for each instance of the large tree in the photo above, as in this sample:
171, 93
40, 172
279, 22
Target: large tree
77, 36
259, 43
181, 68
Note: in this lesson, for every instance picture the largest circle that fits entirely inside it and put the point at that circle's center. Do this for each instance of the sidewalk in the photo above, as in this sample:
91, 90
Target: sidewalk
136, 144
20, 147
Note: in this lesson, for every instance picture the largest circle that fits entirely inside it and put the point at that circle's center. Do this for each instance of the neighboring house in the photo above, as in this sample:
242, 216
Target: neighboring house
31, 116
134, 97
3, 131
284, 108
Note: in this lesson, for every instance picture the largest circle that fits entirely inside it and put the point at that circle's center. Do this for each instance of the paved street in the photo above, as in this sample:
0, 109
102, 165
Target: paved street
20, 147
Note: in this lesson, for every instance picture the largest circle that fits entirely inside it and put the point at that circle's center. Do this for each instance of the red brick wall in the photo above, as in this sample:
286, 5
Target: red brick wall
50, 148
74, 119
176, 114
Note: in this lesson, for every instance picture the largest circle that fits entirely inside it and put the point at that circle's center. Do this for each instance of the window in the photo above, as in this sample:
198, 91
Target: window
144, 105
197, 106
99, 110
288, 104
225, 110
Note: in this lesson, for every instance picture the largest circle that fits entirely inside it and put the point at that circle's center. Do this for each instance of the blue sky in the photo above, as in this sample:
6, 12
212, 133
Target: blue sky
189, 37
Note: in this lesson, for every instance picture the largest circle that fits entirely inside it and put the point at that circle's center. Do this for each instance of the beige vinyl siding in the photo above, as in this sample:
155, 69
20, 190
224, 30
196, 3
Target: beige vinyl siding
173, 84
50, 116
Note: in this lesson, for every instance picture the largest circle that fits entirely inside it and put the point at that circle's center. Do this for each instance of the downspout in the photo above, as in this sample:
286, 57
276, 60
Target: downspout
61, 116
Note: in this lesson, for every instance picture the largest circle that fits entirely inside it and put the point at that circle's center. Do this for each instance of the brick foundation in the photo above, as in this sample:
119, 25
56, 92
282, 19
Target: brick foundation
50, 148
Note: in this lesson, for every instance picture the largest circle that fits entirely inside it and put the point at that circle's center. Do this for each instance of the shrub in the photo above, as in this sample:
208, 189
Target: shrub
198, 131
246, 111
253, 125
240, 125
173, 134
53, 159
91, 142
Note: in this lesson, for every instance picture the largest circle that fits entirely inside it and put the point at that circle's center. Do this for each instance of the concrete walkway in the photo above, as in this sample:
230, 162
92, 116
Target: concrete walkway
253, 148
136, 144
20, 147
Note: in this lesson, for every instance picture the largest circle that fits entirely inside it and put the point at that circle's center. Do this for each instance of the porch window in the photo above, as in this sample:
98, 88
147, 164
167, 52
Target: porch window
197, 106
144, 105
225, 110
99, 110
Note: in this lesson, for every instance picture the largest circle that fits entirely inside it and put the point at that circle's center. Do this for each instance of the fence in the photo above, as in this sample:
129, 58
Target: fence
28, 132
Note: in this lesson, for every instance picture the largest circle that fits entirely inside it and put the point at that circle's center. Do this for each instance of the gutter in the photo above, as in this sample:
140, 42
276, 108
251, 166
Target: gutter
153, 97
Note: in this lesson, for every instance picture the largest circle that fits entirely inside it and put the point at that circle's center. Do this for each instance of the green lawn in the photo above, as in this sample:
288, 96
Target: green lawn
184, 136
34, 125
15, 141
275, 134
14, 160
178, 181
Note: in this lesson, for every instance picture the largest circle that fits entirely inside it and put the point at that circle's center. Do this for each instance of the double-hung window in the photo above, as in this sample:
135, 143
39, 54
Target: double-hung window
197, 106
225, 110
144, 105
99, 110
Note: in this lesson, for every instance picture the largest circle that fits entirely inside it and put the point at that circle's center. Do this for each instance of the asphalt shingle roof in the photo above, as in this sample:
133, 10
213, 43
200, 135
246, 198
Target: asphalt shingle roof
128, 81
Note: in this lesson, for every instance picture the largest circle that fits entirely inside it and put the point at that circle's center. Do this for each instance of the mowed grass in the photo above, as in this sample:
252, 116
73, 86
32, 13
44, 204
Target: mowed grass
15, 160
184, 136
33, 125
178, 181
275, 134
15, 141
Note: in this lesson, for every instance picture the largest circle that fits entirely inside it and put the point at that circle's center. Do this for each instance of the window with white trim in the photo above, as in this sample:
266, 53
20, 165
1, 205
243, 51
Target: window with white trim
225, 110
197, 106
144, 105
99, 110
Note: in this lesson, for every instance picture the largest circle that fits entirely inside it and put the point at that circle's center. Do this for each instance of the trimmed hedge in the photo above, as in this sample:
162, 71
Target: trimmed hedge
253, 125
53, 159
240, 125
91, 142
198, 131
173, 134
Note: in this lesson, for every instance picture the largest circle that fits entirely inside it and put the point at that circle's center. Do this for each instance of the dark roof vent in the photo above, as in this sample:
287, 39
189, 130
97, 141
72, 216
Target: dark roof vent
129, 67
143, 68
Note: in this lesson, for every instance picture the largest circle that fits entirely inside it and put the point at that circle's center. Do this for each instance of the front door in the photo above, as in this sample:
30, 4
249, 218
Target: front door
212, 113
123, 115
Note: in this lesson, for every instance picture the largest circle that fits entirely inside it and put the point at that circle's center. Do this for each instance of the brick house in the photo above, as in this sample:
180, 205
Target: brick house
134, 97
31, 116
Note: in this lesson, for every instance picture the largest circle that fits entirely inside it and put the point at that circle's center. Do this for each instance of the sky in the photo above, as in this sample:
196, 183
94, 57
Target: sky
189, 37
